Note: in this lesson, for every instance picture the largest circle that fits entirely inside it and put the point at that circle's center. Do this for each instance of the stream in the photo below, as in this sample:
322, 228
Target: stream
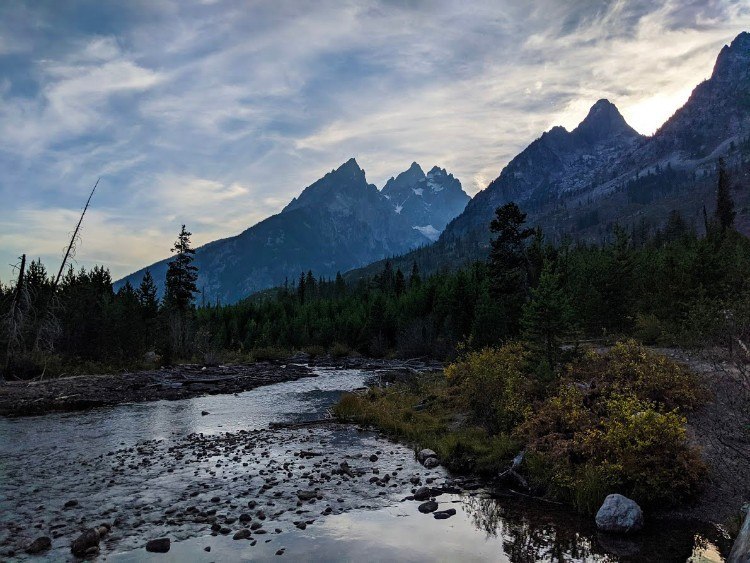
199, 470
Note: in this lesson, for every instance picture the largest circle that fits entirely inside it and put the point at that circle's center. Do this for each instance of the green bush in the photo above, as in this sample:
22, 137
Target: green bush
497, 391
648, 328
269, 354
629, 367
339, 350
617, 428
314, 351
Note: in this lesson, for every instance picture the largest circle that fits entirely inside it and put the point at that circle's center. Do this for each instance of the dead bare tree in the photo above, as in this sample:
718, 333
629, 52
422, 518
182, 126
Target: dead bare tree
14, 319
23, 309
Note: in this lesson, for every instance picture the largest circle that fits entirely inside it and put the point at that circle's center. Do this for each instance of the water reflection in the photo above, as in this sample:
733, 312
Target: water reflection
534, 531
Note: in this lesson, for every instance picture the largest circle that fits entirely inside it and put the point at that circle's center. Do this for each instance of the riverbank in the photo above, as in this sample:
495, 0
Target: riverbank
430, 412
76, 393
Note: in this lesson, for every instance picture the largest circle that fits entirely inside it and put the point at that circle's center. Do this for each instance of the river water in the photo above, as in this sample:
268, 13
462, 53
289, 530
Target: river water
175, 468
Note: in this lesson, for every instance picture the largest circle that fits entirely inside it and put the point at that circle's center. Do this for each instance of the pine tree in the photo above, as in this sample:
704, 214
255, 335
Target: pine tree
399, 283
339, 285
181, 274
414, 279
547, 316
179, 296
725, 212
508, 265
301, 288
147, 296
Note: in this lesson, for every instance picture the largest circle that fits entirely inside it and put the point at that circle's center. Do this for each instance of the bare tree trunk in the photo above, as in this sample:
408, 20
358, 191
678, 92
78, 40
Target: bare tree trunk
14, 318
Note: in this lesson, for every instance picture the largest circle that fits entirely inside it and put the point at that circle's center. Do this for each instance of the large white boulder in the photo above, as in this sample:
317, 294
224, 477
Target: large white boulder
619, 514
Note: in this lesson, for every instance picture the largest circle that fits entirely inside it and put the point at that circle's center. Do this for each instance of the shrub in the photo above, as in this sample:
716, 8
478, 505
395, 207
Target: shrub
269, 354
620, 431
496, 389
339, 350
314, 351
648, 328
631, 368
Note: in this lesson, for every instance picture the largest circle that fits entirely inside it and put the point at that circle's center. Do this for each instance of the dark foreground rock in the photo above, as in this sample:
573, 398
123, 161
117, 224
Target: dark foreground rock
444, 514
39, 545
427, 507
160, 545
84, 543
619, 514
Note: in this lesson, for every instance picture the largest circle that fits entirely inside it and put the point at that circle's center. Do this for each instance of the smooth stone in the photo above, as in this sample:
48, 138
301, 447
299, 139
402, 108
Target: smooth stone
444, 514
619, 514
241, 535
38, 545
86, 540
427, 507
159, 545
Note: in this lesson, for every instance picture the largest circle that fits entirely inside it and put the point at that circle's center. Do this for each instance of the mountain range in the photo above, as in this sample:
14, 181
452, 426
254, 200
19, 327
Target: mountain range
581, 183
337, 223
576, 184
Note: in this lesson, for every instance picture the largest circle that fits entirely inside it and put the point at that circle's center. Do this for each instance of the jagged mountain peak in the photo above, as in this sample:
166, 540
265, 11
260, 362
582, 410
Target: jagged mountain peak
348, 181
350, 167
603, 121
409, 176
733, 62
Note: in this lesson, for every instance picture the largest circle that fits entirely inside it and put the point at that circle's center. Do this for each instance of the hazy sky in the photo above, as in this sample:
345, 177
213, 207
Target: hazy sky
217, 113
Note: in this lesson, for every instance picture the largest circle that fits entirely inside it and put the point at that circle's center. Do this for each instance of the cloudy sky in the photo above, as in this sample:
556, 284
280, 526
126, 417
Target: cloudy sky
216, 113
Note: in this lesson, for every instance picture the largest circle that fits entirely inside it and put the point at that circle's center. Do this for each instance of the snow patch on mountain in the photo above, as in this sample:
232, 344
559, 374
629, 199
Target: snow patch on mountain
429, 231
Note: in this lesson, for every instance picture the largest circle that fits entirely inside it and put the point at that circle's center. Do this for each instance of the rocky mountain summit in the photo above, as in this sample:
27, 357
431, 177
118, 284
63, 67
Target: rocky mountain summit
426, 201
337, 223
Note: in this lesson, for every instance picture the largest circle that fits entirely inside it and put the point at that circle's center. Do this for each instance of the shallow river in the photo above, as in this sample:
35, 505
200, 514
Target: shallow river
168, 469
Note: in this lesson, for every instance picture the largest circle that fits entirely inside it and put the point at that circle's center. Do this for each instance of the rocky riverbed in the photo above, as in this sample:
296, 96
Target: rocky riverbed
66, 394
263, 474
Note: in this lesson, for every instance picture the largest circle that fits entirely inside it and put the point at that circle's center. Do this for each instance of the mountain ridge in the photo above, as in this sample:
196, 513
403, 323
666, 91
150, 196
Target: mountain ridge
337, 223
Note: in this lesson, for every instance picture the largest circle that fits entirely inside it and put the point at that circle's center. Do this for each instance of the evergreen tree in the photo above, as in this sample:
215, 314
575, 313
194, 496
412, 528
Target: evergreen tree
301, 288
179, 296
725, 212
147, 296
339, 285
547, 316
508, 263
414, 279
181, 274
399, 283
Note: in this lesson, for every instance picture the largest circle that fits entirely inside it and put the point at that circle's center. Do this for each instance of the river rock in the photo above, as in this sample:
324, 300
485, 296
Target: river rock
424, 454
88, 539
619, 514
431, 462
444, 514
306, 495
39, 545
427, 507
159, 545
242, 534
423, 493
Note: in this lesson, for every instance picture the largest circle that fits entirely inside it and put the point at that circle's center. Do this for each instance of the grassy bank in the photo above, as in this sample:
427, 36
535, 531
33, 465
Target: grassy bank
602, 423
